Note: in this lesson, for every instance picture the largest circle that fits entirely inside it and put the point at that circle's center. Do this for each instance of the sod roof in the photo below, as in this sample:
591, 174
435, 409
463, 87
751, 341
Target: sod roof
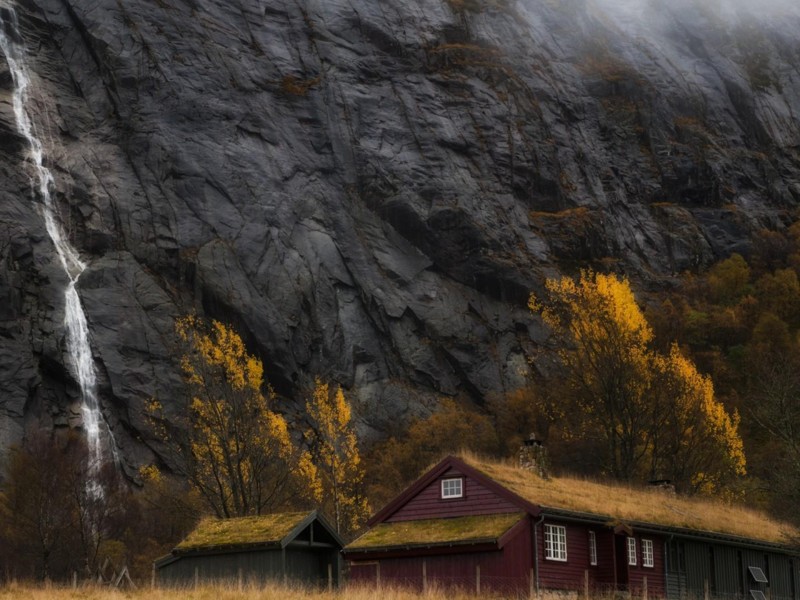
243, 531
433, 532
631, 504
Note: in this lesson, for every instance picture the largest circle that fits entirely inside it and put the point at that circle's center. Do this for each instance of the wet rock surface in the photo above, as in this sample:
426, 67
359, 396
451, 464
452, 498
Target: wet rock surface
368, 190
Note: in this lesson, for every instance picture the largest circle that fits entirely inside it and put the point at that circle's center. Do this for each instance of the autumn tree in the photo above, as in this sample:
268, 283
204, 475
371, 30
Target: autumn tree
691, 437
39, 520
234, 449
604, 350
165, 509
401, 458
729, 280
773, 403
652, 414
335, 453
52, 518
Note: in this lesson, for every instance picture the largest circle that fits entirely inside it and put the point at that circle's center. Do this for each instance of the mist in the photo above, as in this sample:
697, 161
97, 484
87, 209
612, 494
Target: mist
723, 11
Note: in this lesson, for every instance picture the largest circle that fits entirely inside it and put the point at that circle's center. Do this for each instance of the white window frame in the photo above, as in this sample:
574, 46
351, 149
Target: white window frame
648, 559
632, 551
592, 548
450, 490
555, 542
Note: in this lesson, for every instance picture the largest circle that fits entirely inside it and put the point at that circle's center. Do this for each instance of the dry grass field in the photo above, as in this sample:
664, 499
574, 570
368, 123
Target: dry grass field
277, 592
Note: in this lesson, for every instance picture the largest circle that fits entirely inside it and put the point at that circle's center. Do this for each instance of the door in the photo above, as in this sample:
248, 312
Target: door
621, 561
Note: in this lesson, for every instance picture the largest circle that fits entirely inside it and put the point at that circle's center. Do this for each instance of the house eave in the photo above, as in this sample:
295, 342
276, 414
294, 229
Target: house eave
475, 545
655, 528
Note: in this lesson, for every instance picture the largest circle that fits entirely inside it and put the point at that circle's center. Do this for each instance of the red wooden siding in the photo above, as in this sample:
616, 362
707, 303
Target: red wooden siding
477, 500
567, 575
507, 570
571, 575
603, 573
655, 574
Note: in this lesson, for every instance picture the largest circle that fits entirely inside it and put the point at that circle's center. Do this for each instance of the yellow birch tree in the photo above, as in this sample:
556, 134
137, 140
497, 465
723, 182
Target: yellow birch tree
654, 415
336, 457
693, 438
237, 452
603, 346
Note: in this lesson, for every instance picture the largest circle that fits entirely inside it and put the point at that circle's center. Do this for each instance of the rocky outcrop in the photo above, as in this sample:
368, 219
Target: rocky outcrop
367, 189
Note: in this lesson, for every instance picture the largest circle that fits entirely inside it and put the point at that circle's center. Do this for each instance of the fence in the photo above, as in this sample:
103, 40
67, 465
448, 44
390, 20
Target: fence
585, 588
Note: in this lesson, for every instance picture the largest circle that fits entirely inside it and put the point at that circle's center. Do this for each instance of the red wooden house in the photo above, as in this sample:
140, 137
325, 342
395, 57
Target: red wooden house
490, 527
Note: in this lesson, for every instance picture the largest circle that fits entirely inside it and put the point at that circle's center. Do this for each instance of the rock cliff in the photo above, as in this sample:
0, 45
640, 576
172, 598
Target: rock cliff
368, 189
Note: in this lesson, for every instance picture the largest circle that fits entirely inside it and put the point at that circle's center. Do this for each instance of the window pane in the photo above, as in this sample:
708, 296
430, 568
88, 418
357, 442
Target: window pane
647, 553
757, 574
452, 488
555, 542
631, 551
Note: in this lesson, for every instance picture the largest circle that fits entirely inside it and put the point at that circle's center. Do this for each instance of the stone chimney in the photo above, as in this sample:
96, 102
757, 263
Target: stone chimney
533, 456
662, 485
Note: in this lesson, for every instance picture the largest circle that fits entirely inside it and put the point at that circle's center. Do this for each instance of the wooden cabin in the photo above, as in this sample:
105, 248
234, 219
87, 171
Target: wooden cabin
298, 547
491, 527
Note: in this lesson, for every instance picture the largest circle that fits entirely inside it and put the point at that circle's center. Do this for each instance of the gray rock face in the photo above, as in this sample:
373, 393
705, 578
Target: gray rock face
368, 189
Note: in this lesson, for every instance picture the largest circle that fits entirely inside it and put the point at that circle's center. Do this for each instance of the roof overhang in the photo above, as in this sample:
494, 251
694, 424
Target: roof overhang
479, 544
487, 545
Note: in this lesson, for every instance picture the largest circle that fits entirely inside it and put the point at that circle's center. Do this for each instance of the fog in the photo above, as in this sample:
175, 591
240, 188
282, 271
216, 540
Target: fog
725, 14
728, 28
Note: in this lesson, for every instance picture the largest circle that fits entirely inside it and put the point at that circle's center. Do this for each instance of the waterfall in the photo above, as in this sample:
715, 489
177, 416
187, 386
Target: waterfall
77, 332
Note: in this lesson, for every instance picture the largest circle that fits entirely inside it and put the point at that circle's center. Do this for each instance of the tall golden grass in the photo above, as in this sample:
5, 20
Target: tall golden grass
221, 592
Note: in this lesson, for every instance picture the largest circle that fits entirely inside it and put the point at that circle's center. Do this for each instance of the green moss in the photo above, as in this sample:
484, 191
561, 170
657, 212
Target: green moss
214, 533
437, 531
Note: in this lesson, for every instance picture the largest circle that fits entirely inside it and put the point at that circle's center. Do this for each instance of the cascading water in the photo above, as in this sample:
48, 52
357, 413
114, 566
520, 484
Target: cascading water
77, 332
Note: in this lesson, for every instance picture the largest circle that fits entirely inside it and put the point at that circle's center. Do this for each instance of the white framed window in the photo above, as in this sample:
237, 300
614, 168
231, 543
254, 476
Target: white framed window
592, 548
555, 542
647, 553
453, 488
632, 551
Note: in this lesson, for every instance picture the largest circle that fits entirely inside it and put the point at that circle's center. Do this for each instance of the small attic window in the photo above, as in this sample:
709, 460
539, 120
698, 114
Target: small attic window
452, 488
758, 595
757, 574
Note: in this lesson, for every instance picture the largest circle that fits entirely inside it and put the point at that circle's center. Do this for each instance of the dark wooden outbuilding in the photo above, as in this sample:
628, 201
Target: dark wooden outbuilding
285, 547
730, 567
490, 527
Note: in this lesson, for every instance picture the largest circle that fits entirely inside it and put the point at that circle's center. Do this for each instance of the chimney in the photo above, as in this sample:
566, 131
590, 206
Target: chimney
662, 485
533, 456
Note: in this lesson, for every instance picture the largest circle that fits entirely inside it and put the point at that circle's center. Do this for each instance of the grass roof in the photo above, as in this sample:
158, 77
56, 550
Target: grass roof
627, 503
430, 532
243, 531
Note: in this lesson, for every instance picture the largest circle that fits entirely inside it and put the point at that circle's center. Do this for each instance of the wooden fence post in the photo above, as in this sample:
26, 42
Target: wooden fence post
153, 578
378, 575
705, 589
531, 591
74, 580
241, 579
478, 579
424, 576
330, 578
644, 588
586, 584
196, 577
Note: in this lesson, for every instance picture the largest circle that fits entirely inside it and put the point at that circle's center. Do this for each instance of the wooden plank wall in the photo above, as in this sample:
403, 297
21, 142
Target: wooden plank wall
507, 571
477, 500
